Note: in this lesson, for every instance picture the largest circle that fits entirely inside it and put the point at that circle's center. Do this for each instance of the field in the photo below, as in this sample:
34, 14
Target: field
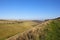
9, 28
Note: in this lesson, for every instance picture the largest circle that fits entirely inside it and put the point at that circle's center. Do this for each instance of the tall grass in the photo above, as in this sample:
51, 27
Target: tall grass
53, 32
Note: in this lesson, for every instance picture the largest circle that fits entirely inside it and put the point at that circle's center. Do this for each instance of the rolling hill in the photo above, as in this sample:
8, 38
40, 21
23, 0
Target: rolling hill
48, 30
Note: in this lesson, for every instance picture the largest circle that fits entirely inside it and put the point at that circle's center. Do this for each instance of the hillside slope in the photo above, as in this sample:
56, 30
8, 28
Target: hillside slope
49, 30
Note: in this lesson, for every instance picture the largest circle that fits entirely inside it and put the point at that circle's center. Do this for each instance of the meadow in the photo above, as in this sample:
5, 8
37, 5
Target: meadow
9, 28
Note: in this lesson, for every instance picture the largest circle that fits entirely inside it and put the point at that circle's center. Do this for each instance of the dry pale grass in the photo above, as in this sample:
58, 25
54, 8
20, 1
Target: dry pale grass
10, 28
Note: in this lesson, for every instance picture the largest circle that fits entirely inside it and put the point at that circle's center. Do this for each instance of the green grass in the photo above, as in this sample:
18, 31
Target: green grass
53, 32
9, 29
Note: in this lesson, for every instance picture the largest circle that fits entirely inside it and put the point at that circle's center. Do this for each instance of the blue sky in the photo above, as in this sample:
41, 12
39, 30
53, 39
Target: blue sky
29, 9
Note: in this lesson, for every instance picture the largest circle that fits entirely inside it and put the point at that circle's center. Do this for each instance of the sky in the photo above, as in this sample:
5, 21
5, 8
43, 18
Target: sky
29, 9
